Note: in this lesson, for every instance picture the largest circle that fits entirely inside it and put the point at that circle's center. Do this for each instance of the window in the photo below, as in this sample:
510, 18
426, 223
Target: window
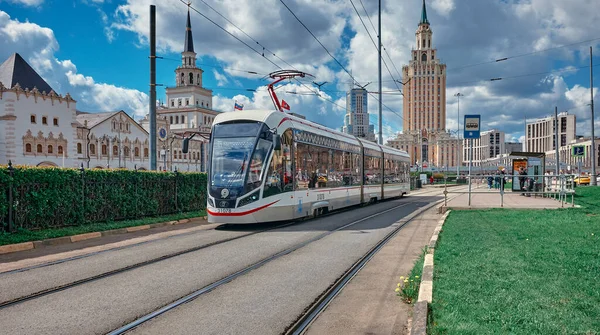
32, 118
187, 102
39, 148
28, 147
191, 78
44, 120
60, 150
177, 119
179, 102
115, 150
182, 82
279, 176
79, 148
104, 150
127, 126
92, 149
171, 120
126, 151
145, 152
172, 102
198, 82
182, 119
136, 152
50, 149
55, 121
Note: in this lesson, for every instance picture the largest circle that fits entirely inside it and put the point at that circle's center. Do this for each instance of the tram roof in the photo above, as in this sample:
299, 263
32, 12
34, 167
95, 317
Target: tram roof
275, 118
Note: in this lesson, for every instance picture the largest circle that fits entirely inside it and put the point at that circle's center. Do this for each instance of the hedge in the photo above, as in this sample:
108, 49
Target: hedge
56, 197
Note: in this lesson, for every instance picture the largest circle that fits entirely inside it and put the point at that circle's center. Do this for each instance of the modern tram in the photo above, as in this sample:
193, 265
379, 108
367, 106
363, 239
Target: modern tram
272, 166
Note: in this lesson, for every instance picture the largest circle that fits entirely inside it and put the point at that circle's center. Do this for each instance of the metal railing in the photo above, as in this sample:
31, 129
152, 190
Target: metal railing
558, 187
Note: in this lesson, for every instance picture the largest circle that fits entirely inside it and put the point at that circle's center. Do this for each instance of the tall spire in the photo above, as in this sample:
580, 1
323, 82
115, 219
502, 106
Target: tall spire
423, 15
189, 41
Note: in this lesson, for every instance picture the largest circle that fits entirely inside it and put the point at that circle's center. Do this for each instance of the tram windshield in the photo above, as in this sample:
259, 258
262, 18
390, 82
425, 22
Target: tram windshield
238, 158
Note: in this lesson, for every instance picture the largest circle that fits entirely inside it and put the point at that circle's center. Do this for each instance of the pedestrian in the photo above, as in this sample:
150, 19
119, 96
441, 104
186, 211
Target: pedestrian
522, 179
502, 179
490, 180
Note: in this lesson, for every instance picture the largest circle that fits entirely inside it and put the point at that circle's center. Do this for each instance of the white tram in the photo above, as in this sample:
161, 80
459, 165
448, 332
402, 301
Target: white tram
272, 166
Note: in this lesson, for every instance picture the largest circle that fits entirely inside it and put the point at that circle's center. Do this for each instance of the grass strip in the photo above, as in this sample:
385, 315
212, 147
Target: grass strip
408, 287
23, 235
504, 271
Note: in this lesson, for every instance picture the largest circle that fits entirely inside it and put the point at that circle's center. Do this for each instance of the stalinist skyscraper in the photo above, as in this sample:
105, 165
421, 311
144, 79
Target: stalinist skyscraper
424, 134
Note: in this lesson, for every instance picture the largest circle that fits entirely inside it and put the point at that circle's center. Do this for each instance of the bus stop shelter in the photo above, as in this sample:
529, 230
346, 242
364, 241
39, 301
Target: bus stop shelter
533, 162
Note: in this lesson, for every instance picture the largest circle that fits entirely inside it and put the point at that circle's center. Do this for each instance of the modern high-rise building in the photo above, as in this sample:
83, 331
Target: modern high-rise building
540, 134
356, 121
424, 133
488, 146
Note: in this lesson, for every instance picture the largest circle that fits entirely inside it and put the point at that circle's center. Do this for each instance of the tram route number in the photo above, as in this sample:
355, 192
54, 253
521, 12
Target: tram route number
223, 210
320, 197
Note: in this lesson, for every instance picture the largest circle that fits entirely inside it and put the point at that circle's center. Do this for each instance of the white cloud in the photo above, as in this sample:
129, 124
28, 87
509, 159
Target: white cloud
38, 45
30, 3
221, 78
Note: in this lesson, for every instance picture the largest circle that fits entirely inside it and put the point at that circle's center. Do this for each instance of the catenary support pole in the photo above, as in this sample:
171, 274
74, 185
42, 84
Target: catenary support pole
152, 87
380, 95
556, 141
593, 154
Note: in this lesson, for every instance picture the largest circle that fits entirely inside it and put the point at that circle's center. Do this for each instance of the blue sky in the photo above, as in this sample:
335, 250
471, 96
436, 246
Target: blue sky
97, 51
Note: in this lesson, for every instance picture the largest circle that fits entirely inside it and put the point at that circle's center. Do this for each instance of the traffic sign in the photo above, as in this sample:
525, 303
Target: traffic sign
578, 151
472, 126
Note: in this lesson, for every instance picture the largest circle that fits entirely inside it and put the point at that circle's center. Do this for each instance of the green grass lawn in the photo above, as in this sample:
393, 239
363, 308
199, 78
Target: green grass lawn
519, 271
27, 235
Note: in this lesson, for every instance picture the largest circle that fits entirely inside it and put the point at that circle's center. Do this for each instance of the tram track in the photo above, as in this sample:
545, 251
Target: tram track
195, 294
56, 289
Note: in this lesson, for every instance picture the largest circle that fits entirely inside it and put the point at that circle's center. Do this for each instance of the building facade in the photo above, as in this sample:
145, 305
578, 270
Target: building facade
424, 134
39, 127
569, 163
540, 134
356, 121
513, 147
490, 145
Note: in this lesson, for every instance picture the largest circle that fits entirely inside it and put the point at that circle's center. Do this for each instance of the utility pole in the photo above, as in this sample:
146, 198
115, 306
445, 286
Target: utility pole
557, 143
380, 95
593, 157
152, 87
458, 149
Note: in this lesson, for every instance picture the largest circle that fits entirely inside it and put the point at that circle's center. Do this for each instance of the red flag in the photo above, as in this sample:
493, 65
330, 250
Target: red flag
285, 105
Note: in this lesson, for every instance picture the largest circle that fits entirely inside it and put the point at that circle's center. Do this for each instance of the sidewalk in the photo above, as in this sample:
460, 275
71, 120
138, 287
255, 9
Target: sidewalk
492, 199
368, 304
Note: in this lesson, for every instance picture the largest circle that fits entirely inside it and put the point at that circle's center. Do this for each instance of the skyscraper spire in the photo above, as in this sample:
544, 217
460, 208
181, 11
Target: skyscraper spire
189, 41
424, 15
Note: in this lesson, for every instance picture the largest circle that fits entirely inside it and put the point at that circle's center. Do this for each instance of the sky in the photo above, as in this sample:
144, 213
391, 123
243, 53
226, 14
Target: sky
97, 50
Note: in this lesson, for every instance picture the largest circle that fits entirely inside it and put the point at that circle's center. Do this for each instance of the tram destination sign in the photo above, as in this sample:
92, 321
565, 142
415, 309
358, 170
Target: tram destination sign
472, 126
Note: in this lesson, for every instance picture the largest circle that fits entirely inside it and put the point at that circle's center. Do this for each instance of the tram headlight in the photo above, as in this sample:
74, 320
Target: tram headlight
249, 199
211, 203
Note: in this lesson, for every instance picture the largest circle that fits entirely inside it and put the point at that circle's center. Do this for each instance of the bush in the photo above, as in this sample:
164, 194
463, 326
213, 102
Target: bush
438, 175
55, 197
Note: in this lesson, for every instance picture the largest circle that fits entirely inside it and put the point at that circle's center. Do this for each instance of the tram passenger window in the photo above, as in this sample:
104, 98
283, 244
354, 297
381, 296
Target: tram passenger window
257, 163
322, 167
356, 169
346, 168
279, 176
304, 164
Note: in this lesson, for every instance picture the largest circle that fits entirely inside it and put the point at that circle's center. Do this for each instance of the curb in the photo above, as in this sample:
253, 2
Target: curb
10, 248
421, 309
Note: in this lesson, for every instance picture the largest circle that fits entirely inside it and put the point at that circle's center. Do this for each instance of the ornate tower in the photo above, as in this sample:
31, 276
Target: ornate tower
424, 105
188, 73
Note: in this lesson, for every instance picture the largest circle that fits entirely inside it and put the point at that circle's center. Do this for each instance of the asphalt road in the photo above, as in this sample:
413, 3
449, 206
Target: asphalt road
264, 301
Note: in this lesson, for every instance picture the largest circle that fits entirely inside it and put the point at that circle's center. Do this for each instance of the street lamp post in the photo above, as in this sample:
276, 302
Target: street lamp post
458, 95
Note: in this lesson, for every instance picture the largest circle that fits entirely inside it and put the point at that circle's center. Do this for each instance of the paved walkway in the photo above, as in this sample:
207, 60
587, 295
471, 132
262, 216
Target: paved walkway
482, 198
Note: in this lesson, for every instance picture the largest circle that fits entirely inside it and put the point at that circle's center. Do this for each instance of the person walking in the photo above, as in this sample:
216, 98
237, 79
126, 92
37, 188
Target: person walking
522, 179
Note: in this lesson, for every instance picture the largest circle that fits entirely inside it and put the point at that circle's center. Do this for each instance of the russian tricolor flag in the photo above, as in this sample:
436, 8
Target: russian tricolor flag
238, 106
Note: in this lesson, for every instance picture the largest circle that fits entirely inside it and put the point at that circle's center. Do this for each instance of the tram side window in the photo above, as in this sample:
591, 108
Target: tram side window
372, 170
387, 170
356, 169
304, 164
279, 177
346, 168
322, 167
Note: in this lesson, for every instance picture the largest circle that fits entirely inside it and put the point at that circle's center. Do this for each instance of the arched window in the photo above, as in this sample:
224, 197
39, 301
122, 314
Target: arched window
182, 81
44, 120
104, 149
198, 82
50, 149
145, 152
126, 151
39, 148
137, 152
115, 150
191, 78
177, 119
171, 120
92, 149
79, 148
33, 119
184, 156
28, 147
429, 43
180, 154
183, 119
60, 150
424, 57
